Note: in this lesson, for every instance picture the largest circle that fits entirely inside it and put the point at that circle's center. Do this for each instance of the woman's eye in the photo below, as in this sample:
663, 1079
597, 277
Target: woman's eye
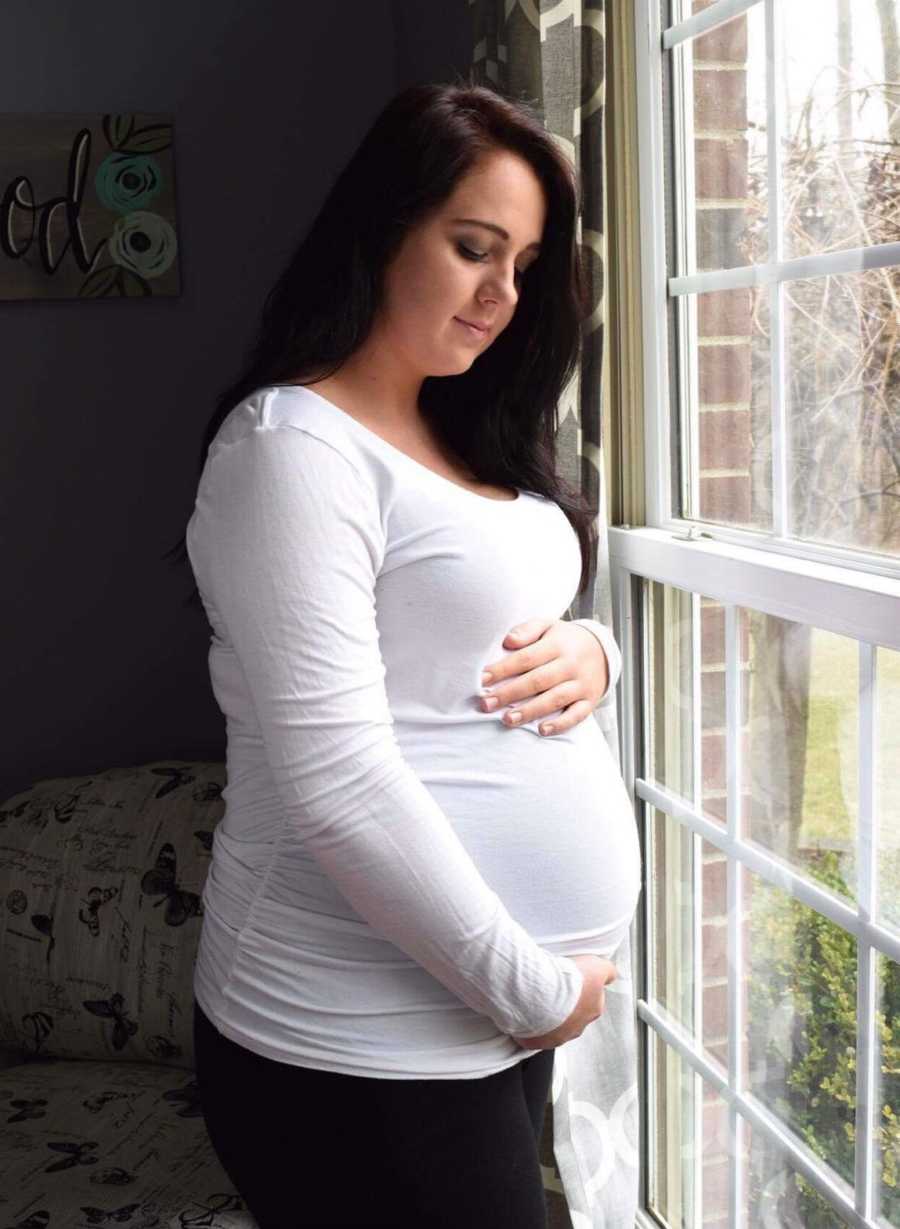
481, 256
470, 255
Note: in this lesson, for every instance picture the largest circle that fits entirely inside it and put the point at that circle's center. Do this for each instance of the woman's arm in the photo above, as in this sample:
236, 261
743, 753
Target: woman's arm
286, 542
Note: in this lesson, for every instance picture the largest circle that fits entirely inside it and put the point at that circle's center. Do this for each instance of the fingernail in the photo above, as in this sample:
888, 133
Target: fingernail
546, 729
490, 702
513, 716
486, 677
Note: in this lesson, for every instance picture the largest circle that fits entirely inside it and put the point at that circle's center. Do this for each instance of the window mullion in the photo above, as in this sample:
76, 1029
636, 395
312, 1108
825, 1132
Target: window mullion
696, 846
684, 259
781, 517
819, 264
735, 894
633, 685
651, 156
867, 888
697, 24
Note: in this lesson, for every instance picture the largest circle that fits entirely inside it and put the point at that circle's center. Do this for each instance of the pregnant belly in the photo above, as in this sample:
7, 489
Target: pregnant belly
548, 822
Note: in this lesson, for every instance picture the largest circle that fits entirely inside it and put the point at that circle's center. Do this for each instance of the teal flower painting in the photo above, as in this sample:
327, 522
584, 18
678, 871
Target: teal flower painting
127, 181
87, 207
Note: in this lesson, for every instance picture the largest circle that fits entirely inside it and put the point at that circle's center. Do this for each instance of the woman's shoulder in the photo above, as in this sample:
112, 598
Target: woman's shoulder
290, 408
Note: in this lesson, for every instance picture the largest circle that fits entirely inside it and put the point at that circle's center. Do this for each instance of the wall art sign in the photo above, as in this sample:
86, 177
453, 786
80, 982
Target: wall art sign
88, 207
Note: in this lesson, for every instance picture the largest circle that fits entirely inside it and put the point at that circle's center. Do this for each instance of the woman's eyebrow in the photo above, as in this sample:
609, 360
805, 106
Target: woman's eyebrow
494, 227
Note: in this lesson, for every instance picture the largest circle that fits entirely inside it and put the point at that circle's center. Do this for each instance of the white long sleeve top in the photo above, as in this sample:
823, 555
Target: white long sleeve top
398, 878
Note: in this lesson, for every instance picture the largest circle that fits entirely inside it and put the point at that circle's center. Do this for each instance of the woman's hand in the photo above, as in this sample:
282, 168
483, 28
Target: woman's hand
561, 665
597, 972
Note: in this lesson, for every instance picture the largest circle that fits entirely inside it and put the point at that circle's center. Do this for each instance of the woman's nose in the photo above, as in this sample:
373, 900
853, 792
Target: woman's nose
503, 289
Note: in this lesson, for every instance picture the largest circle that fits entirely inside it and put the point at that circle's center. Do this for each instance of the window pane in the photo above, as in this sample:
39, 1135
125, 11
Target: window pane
843, 404
725, 87
887, 787
778, 1196
802, 1021
673, 959
802, 771
841, 170
725, 427
714, 746
716, 1164
671, 1195
687, 676
689, 907
842, 408
672, 674
715, 954
690, 1145
887, 1099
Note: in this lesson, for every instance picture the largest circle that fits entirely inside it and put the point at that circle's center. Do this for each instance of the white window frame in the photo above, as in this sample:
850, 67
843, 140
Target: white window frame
852, 593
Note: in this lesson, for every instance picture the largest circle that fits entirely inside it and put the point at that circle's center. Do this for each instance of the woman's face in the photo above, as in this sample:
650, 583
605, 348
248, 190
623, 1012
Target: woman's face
448, 271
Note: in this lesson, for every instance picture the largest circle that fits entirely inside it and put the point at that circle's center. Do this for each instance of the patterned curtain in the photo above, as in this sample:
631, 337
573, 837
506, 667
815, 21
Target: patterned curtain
551, 53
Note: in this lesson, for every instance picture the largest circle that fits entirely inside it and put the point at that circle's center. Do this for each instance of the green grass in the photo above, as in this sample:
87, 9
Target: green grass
831, 776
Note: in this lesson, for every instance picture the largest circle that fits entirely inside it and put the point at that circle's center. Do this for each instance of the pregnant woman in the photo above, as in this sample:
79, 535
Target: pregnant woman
411, 898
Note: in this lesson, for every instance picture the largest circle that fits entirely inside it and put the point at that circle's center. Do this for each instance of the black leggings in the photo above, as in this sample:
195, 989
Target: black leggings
305, 1147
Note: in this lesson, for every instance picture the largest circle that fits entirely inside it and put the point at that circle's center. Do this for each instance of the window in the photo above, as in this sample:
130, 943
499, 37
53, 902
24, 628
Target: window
759, 612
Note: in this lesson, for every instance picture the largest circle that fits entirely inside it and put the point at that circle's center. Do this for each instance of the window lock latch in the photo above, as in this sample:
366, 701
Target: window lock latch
692, 534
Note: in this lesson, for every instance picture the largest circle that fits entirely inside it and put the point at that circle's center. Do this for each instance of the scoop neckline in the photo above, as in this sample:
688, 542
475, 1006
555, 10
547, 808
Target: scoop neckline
399, 451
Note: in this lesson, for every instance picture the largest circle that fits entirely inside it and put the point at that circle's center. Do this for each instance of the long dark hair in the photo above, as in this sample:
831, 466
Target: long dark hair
500, 416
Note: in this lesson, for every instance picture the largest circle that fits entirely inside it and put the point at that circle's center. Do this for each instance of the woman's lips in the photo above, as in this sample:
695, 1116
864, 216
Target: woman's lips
473, 329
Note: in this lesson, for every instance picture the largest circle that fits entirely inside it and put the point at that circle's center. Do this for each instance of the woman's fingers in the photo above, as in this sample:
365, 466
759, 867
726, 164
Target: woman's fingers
545, 676
574, 714
529, 697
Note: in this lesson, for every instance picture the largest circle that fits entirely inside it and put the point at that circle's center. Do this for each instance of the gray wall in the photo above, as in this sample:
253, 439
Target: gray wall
105, 401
